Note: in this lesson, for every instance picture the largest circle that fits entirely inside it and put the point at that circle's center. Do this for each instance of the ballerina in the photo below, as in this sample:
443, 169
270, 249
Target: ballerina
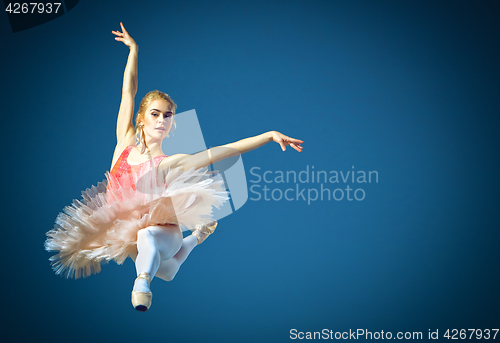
148, 198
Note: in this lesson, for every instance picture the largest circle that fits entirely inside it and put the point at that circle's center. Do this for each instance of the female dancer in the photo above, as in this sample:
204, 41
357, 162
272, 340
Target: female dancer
148, 197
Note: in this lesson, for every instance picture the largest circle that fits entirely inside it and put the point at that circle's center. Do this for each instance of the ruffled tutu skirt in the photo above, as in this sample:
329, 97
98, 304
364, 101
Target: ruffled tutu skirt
103, 225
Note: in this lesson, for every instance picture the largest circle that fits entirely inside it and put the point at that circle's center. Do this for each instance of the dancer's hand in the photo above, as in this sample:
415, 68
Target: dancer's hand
283, 141
125, 37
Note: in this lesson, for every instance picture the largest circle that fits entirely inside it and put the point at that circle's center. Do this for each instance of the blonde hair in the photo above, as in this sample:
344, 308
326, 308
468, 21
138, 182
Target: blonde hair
148, 99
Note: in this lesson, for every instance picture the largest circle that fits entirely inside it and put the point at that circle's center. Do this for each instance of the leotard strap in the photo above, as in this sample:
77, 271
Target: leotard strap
127, 174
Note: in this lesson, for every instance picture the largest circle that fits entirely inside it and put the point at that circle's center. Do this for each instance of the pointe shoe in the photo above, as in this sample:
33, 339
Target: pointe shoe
142, 300
202, 231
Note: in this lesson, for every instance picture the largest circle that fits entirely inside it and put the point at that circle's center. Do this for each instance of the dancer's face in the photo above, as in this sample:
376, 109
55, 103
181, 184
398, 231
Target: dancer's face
158, 119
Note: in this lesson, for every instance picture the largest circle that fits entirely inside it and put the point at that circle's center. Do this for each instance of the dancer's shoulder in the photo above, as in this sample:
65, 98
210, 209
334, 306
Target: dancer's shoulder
173, 161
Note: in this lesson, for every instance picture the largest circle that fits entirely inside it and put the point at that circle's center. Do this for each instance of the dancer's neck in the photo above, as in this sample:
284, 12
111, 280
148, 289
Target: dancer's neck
155, 149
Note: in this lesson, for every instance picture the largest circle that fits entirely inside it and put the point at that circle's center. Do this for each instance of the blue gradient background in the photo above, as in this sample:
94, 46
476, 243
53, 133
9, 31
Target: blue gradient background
407, 88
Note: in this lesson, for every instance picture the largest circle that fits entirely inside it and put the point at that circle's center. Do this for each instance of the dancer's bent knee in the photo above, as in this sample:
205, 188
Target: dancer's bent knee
168, 269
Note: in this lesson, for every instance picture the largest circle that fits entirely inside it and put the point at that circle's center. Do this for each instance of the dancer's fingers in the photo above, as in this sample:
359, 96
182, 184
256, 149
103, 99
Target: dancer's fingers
296, 147
283, 146
123, 28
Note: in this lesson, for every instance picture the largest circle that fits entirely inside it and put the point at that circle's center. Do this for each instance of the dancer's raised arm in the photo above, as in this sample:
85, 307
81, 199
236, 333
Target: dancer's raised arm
216, 154
125, 132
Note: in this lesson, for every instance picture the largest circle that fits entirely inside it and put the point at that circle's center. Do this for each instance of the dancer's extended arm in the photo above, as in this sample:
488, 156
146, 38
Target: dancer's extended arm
125, 132
213, 155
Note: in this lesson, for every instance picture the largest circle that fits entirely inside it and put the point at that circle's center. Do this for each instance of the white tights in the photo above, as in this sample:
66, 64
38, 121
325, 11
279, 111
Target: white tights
161, 251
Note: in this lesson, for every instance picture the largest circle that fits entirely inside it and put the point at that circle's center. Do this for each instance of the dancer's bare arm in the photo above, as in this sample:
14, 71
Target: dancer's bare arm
125, 132
216, 154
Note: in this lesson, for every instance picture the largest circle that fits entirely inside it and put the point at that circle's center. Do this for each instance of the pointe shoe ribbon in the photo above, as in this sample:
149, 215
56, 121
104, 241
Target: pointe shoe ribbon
142, 300
202, 231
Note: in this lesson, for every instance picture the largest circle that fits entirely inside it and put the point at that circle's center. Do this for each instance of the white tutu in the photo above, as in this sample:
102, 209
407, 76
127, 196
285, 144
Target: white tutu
104, 225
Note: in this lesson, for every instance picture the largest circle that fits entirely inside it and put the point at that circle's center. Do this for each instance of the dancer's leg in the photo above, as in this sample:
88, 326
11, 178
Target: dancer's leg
155, 243
168, 268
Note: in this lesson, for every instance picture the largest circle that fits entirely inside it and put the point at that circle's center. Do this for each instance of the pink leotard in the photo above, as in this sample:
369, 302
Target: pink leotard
126, 175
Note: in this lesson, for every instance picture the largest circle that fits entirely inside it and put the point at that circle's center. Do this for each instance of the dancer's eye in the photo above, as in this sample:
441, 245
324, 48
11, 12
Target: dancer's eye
154, 114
